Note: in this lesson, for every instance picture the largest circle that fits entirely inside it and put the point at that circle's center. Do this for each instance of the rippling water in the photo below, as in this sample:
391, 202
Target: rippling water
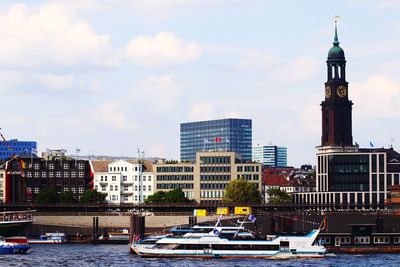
118, 255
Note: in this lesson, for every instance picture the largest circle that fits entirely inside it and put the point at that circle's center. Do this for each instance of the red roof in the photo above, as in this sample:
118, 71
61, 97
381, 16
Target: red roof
275, 179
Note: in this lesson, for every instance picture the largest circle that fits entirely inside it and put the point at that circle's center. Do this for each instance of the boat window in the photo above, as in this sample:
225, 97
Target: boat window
381, 240
397, 239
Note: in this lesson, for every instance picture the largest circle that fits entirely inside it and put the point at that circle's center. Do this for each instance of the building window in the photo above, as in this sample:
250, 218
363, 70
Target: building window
36, 190
73, 173
144, 178
96, 187
51, 166
44, 174
80, 165
103, 188
80, 174
66, 166
135, 197
116, 187
126, 198
144, 188
149, 187
80, 189
113, 178
136, 188
66, 174
51, 174
36, 166
397, 239
149, 178
111, 187
124, 178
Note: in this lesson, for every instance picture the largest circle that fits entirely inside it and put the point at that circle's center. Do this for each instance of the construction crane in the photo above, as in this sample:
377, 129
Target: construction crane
5, 141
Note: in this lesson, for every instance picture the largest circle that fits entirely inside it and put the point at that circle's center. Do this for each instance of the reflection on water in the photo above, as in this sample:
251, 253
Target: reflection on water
118, 255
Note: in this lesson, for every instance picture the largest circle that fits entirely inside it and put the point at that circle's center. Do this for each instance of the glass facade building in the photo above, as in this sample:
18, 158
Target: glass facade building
15, 147
272, 156
233, 135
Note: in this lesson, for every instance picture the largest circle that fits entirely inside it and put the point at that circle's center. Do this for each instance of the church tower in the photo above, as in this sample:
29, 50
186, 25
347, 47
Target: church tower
336, 108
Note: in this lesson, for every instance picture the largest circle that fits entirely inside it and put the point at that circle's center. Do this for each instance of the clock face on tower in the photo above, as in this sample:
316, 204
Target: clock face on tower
341, 91
328, 91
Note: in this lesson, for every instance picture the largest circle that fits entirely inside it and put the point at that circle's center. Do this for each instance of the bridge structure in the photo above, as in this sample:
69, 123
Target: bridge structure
179, 208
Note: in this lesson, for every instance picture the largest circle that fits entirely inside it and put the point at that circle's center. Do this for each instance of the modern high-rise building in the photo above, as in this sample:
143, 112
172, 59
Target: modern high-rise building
14, 147
233, 135
270, 155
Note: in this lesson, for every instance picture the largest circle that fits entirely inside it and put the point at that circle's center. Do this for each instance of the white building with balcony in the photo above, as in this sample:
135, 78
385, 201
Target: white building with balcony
123, 181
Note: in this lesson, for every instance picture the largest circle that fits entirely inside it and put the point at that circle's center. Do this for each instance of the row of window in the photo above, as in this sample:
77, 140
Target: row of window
177, 177
52, 165
174, 186
79, 189
212, 186
215, 177
215, 160
248, 176
250, 168
212, 194
115, 169
360, 240
104, 178
215, 169
125, 188
175, 169
59, 174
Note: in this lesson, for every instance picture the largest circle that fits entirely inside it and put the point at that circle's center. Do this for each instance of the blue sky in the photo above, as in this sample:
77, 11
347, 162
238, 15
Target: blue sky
108, 76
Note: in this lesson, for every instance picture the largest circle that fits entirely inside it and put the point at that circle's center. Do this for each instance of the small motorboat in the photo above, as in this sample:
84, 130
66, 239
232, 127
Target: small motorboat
12, 248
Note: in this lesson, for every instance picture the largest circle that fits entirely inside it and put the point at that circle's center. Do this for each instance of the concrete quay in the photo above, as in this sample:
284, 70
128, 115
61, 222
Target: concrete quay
82, 222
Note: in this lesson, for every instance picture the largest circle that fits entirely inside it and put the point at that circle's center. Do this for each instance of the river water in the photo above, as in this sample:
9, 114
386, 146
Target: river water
118, 255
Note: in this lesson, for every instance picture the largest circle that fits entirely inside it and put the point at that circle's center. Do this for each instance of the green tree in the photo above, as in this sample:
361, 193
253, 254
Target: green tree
241, 191
47, 195
173, 196
277, 196
157, 197
92, 196
67, 197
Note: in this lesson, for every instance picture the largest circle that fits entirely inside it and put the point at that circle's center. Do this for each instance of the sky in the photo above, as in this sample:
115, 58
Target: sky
108, 77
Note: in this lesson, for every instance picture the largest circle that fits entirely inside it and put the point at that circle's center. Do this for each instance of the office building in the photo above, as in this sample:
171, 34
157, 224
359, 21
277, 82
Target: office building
14, 147
270, 156
206, 179
232, 135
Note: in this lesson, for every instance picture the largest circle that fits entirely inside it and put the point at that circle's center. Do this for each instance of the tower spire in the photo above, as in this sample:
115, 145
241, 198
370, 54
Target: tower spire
336, 40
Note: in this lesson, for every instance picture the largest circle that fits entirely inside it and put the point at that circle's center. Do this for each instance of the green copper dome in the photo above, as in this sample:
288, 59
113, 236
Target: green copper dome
336, 52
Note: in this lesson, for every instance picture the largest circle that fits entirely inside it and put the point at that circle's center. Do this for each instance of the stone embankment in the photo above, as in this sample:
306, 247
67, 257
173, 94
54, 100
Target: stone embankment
83, 221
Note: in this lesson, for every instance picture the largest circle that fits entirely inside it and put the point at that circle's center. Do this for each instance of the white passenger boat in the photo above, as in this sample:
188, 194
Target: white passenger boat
216, 244
49, 238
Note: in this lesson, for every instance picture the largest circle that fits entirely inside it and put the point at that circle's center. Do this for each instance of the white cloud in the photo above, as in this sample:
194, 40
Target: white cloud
67, 82
202, 111
377, 97
48, 35
156, 10
301, 69
159, 93
164, 49
9, 79
110, 114
257, 60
